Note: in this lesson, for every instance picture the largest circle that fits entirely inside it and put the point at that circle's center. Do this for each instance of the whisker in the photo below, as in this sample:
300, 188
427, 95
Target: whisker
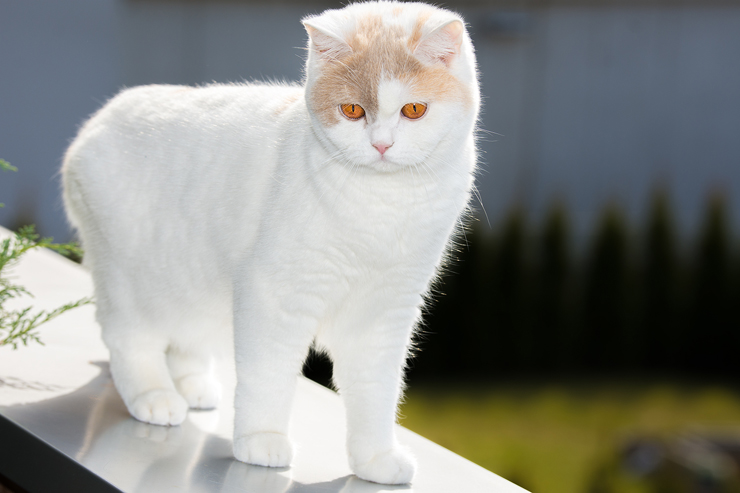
474, 190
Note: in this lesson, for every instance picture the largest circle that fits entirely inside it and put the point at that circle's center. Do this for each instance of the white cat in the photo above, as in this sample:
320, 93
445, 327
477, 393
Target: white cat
297, 213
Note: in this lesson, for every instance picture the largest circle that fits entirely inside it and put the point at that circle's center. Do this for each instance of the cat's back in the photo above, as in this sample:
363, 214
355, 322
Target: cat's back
194, 162
149, 143
182, 117
161, 104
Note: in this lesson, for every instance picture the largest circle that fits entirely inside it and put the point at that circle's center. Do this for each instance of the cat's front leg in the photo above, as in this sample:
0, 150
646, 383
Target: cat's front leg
271, 343
368, 369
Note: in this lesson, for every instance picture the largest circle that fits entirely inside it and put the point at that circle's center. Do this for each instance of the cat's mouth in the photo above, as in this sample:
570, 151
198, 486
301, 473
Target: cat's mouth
384, 159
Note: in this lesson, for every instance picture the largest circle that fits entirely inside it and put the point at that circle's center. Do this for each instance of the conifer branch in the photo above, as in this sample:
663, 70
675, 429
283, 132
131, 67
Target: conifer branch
19, 326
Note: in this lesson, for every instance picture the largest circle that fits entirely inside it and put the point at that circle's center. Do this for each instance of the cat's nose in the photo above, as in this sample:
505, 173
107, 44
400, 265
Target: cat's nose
382, 147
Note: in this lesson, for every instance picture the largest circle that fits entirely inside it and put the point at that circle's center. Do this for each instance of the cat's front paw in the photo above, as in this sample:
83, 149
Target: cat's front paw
200, 391
159, 407
264, 449
395, 466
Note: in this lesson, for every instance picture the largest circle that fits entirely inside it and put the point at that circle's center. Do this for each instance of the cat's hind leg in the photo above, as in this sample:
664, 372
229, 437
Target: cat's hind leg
133, 324
193, 375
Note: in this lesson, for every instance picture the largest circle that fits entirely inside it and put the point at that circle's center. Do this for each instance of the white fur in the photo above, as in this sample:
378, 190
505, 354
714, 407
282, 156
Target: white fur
199, 205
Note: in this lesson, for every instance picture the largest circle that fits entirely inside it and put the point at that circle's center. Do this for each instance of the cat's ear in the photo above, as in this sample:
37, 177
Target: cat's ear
441, 45
327, 45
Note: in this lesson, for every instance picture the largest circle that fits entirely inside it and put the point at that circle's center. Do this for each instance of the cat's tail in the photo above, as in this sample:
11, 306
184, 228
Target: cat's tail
72, 196
75, 193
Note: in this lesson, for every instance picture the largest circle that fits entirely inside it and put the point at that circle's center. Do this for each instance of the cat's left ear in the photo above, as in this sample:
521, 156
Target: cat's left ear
441, 45
329, 46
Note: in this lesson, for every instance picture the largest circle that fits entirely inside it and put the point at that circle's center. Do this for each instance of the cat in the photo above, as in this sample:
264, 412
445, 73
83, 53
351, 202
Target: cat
296, 214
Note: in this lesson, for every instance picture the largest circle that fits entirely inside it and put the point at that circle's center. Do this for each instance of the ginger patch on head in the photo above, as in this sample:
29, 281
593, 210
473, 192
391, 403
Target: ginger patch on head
415, 37
435, 83
380, 52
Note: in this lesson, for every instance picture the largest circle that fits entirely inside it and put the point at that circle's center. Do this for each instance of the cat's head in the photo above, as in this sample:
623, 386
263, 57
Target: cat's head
388, 83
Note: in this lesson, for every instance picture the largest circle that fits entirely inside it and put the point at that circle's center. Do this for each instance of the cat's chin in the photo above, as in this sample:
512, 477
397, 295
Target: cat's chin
387, 166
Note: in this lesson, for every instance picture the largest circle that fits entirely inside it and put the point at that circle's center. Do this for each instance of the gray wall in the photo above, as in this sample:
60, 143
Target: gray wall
608, 103
591, 104
58, 62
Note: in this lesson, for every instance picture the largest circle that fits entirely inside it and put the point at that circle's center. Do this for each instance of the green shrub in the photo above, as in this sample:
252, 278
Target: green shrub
517, 301
19, 326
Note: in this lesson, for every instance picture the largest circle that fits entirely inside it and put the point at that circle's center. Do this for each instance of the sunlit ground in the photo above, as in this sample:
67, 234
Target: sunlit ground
555, 438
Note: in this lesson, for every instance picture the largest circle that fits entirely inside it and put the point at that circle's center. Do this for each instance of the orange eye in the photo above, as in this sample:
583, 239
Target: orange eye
353, 111
413, 111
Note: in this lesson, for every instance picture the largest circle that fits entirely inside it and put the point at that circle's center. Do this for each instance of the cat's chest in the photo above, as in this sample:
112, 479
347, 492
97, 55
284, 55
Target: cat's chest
387, 229
357, 224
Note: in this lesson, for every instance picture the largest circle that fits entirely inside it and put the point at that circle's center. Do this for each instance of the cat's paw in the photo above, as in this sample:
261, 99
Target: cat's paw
200, 391
159, 407
264, 449
395, 466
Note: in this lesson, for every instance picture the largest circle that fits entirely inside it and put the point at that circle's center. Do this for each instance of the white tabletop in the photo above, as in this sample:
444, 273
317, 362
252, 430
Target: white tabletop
62, 394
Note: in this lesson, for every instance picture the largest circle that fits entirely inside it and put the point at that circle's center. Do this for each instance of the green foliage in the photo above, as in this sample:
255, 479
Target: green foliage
18, 326
665, 333
606, 311
555, 292
6, 166
571, 436
517, 300
711, 305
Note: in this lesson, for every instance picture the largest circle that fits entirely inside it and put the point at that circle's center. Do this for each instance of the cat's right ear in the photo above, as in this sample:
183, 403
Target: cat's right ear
328, 46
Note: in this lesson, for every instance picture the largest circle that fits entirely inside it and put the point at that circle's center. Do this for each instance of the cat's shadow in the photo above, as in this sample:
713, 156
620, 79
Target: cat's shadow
135, 456
237, 476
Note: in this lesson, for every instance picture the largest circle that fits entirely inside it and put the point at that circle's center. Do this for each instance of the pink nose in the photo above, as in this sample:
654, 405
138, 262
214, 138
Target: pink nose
382, 148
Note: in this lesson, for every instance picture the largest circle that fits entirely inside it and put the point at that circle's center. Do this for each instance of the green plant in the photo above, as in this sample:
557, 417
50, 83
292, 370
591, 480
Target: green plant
522, 298
5, 166
18, 326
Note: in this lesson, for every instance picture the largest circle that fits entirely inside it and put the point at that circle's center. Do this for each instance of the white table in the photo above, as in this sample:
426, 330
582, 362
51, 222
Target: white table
63, 426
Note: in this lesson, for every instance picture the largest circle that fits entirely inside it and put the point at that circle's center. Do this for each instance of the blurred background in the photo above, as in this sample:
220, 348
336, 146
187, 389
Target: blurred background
585, 334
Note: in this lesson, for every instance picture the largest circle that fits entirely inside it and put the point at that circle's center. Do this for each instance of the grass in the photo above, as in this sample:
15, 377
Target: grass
552, 437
